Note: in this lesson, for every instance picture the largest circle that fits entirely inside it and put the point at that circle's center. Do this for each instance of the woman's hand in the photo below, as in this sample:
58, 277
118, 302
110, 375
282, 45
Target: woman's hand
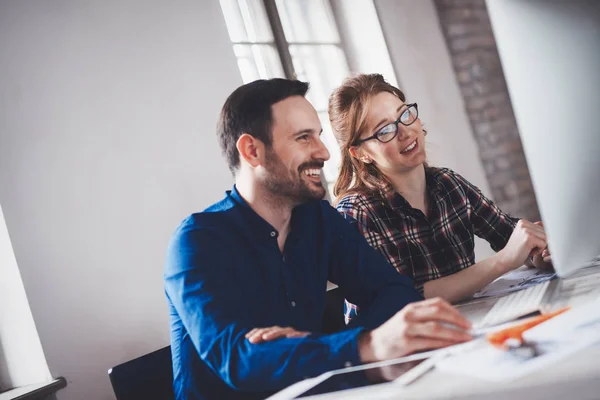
544, 259
527, 239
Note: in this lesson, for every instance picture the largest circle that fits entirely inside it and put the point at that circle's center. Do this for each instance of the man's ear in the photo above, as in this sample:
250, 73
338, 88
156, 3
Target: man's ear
251, 149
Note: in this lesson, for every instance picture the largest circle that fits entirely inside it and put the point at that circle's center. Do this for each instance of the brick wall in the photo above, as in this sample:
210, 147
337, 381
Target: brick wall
474, 55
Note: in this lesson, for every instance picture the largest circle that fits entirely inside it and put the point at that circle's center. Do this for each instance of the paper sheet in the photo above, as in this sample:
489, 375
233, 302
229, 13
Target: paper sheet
514, 281
491, 364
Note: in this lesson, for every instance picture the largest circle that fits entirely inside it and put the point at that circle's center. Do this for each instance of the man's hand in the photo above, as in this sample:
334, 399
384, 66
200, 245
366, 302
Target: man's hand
527, 239
424, 325
259, 335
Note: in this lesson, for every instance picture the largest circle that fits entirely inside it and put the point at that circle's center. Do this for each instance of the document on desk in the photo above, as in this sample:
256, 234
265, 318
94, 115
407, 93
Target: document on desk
514, 281
493, 364
554, 339
585, 318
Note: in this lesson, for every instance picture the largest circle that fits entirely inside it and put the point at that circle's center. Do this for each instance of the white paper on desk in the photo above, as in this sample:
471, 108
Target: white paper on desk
583, 319
488, 363
514, 281
298, 388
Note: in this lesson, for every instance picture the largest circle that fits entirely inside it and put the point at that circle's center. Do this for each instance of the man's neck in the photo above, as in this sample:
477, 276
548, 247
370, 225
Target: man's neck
412, 185
275, 210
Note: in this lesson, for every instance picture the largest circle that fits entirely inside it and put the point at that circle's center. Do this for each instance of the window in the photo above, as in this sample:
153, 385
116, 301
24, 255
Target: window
295, 39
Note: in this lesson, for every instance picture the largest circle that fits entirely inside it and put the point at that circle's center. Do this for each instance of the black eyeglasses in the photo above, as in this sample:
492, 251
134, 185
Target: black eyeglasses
388, 132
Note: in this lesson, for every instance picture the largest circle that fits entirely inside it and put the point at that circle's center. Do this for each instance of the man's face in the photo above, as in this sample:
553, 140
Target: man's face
294, 162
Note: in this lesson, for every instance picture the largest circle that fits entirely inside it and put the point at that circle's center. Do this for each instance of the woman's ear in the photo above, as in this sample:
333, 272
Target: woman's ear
251, 149
359, 154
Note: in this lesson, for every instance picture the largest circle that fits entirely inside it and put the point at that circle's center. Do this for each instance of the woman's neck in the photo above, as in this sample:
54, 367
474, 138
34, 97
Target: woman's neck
412, 185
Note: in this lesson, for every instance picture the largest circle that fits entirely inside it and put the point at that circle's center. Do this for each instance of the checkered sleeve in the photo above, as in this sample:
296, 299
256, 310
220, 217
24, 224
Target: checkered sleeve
357, 216
358, 211
489, 221
361, 212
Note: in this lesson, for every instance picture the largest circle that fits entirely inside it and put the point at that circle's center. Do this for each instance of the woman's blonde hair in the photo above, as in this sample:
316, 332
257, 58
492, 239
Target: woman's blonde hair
348, 109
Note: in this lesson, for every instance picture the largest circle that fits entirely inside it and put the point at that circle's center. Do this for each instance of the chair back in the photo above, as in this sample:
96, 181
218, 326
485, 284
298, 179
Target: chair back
333, 318
146, 377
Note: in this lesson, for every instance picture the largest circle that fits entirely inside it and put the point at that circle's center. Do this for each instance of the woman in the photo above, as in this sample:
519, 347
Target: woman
421, 218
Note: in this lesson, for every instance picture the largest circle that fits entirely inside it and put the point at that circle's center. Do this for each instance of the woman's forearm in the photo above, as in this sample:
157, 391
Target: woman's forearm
463, 284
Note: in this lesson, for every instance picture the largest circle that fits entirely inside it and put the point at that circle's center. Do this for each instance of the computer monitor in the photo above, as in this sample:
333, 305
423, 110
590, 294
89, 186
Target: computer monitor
550, 54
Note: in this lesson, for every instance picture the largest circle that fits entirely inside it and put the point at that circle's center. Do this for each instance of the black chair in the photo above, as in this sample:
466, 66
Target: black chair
147, 377
333, 318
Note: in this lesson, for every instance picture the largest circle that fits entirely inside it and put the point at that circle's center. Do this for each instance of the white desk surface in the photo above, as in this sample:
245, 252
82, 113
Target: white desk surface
577, 377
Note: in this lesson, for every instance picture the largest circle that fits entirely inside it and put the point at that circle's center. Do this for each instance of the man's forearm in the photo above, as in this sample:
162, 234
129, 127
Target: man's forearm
274, 365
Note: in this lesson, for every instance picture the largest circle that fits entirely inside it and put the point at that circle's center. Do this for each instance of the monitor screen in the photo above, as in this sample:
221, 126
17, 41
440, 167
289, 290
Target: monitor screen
550, 54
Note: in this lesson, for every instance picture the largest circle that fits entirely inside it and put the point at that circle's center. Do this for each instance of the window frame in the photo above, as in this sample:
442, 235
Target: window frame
283, 46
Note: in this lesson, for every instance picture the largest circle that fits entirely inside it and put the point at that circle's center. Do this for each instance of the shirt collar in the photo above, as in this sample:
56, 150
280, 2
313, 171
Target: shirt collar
263, 229
396, 200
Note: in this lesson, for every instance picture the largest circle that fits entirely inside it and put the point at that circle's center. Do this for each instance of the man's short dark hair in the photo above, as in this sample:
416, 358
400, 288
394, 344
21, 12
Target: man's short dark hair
248, 110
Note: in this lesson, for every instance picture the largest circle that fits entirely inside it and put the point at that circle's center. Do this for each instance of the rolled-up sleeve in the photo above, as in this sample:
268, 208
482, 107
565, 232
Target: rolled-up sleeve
489, 221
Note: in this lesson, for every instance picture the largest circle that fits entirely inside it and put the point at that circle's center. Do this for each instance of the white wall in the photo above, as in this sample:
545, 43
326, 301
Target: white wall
363, 39
107, 140
19, 340
424, 71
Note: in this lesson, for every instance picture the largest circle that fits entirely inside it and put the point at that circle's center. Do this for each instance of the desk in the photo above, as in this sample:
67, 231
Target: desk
577, 377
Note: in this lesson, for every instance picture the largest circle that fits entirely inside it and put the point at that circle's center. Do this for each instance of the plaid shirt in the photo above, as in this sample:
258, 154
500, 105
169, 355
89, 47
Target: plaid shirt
428, 248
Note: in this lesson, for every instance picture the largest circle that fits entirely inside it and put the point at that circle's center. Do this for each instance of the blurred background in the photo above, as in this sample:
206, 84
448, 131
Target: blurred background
107, 140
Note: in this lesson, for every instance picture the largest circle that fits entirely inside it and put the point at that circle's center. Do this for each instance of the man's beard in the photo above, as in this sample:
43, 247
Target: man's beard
284, 183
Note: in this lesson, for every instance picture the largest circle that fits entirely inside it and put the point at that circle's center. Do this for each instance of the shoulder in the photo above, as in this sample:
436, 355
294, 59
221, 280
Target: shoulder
448, 178
208, 224
357, 202
444, 174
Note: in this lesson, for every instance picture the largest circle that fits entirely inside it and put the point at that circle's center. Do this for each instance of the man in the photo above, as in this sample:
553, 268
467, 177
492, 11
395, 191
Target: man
261, 257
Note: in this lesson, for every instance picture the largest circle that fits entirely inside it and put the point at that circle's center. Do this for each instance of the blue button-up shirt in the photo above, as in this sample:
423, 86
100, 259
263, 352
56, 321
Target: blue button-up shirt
225, 275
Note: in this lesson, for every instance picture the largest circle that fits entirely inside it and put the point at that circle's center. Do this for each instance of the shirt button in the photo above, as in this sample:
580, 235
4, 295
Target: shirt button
347, 364
273, 234
293, 303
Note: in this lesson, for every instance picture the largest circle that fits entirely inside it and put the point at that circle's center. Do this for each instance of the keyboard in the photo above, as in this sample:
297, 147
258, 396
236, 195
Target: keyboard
515, 305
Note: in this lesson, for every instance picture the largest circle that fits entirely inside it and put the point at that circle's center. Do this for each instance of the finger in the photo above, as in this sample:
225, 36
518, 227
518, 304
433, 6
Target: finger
419, 344
533, 227
536, 242
535, 232
546, 252
444, 306
529, 224
547, 259
251, 332
271, 330
297, 334
535, 252
438, 331
255, 332
435, 302
257, 336
277, 333
437, 310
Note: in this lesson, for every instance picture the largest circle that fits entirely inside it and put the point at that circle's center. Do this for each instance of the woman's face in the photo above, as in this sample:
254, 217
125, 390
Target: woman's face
404, 152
